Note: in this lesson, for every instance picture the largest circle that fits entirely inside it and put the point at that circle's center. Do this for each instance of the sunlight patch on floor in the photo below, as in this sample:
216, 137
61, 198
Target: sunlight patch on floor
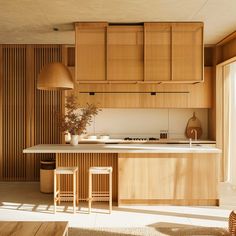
31, 205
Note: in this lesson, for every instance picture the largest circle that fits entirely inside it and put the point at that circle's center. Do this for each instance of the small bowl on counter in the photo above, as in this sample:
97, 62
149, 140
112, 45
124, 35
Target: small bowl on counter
92, 137
104, 137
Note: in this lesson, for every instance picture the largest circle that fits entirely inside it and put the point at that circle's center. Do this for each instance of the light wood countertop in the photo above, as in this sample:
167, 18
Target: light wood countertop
121, 148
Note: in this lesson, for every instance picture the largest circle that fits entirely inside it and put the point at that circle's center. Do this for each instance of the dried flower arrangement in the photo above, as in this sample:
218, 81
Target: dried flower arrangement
75, 120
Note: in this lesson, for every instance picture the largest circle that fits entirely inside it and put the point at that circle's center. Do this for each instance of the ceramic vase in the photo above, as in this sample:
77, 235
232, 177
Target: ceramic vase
67, 137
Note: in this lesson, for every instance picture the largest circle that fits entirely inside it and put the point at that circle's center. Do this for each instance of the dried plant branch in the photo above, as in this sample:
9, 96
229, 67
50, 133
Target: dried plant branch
75, 120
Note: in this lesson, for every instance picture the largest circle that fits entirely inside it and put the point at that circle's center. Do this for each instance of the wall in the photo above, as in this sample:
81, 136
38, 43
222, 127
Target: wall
26, 114
226, 48
146, 122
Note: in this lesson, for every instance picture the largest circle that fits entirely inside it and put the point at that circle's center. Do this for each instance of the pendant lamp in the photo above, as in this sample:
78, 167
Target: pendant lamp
55, 76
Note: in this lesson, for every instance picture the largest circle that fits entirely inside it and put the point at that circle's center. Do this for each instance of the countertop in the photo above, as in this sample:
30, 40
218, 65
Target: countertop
160, 141
121, 148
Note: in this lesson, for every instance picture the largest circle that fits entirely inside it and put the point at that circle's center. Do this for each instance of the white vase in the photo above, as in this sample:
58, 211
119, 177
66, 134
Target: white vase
67, 137
74, 140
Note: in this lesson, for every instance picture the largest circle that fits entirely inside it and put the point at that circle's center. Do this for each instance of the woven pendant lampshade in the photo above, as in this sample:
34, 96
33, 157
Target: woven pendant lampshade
55, 76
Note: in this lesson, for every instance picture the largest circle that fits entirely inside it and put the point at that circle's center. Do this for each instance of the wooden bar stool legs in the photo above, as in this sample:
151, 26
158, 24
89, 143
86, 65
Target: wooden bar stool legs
100, 196
110, 191
58, 194
74, 192
55, 192
90, 191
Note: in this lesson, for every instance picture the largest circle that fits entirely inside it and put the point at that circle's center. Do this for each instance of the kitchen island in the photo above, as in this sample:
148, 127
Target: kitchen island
173, 174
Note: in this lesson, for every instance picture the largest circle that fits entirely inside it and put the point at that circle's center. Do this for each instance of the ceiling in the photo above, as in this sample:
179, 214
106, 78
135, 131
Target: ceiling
32, 21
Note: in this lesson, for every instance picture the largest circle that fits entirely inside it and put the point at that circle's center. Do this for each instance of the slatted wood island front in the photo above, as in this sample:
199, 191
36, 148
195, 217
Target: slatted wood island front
145, 173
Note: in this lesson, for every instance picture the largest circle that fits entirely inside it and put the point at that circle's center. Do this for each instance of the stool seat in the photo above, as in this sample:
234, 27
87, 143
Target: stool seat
66, 170
100, 170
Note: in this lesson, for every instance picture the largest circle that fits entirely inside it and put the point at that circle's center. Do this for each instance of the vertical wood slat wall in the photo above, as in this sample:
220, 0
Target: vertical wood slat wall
83, 161
26, 114
46, 103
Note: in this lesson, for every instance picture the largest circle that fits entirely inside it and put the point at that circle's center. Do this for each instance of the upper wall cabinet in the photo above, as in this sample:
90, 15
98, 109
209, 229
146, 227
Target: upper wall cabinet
157, 51
173, 52
125, 53
187, 51
150, 53
90, 52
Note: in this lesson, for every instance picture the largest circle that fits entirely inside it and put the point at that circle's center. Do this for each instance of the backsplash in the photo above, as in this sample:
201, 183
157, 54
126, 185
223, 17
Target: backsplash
119, 123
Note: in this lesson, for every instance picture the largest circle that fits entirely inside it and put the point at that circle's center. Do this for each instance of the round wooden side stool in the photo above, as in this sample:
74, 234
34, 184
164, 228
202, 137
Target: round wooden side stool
58, 194
100, 195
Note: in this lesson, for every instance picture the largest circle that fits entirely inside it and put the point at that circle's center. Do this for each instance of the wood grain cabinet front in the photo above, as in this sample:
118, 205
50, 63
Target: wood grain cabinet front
125, 53
168, 95
152, 52
90, 52
189, 179
173, 52
187, 52
157, 48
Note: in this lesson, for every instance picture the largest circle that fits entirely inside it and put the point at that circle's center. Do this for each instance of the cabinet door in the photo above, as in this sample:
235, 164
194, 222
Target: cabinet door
91, 51
125, 53
135, 100
187, 51
157, 63
201, 93
145, 178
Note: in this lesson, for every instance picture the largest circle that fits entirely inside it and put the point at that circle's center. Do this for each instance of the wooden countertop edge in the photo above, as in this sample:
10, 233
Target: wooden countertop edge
120, 148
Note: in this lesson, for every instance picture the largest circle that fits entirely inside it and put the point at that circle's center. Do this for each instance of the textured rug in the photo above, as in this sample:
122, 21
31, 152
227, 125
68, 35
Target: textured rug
149, 231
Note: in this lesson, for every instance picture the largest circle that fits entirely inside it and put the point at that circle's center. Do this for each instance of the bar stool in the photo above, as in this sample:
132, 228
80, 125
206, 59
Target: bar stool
58, 194
100, 196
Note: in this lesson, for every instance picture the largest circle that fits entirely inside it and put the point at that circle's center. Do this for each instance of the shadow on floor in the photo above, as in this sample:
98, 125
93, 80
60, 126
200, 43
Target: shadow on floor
42, 208
169, 213
66, 207
192, 231
150, 231
26, 197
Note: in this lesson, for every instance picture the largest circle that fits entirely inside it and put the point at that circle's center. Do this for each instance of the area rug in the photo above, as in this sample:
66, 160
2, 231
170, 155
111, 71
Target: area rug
149, 231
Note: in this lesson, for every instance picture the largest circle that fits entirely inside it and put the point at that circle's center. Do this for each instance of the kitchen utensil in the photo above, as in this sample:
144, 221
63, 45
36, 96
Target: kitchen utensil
193, 126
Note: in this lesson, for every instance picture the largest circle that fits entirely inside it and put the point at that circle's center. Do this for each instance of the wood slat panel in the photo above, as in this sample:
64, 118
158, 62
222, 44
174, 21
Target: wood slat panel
26, 114
83, 161
30, 99
46, 102
14, 104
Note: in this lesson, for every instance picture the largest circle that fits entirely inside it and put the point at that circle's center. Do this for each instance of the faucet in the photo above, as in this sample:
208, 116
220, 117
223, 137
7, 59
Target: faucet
190, 142
195, 134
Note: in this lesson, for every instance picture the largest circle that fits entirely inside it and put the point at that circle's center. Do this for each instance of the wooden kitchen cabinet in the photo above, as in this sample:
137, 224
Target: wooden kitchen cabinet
125, 53
187, 52
173, 52
135, 100
201, 94
90, 52
168, 95
168, 178
155, 52
157, 47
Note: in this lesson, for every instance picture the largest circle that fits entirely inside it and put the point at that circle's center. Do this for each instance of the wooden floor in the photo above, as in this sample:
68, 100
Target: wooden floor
33, 228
